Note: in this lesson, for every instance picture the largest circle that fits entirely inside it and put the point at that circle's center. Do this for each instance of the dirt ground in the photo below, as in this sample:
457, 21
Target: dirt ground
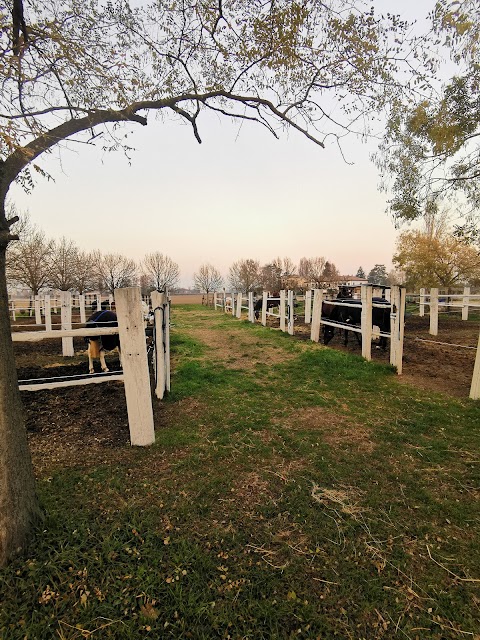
95, 415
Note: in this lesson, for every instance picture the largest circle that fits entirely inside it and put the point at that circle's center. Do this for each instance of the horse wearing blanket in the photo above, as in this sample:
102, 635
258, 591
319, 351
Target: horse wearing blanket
98, 345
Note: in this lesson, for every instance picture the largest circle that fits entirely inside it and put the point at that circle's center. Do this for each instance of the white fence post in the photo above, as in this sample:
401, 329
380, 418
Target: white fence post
167, 339
81, 303
422, 302
475, 386
317, 315
366, 321
239, 304
394, 320
308, 306
66, 319
401, 328
48, 314
14, 316
283, 307
291, 313
264, 308
466, 300
397, 327
434, 311
251, 309
99, 302
38, 310
158, 305
135, 365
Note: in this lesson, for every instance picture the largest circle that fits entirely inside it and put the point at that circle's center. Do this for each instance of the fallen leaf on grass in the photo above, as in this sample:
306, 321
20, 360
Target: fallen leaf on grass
148, 611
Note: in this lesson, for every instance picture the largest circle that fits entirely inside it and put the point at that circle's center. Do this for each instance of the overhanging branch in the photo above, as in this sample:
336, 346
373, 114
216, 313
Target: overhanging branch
23, 156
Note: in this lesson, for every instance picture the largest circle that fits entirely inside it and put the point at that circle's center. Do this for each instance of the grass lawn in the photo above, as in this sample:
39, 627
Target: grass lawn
293, 492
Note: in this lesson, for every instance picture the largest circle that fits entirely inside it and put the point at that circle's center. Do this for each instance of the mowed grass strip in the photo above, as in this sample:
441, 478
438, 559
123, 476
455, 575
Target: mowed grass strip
293, 492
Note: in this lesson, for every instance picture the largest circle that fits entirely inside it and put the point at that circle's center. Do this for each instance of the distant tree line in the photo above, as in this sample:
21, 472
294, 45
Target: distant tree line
40, 263
249, 275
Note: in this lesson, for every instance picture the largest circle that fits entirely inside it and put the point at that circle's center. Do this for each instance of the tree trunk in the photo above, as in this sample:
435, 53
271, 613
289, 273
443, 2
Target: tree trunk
18, 501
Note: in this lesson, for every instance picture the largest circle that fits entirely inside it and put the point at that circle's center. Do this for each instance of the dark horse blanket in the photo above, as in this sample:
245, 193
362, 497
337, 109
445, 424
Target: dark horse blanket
102, 319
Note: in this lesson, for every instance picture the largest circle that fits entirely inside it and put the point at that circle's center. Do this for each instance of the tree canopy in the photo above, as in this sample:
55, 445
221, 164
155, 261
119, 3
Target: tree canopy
275, 63
318, 271
431, 146
439, 260
245, 275
378, 275
208, 278
161, 270
29, 259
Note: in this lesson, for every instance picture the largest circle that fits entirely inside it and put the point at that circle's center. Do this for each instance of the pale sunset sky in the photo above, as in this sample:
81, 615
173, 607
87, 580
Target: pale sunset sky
241, 194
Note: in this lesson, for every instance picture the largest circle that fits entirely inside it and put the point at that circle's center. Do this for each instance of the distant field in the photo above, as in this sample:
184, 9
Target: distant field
187, 298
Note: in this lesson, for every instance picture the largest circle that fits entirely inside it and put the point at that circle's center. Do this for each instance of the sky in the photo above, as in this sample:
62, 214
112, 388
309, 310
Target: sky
240, 194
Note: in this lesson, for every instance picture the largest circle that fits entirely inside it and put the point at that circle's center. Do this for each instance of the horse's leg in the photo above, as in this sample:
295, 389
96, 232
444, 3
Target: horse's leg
328, 333
120, 356
103, 364
90, 359
345, 336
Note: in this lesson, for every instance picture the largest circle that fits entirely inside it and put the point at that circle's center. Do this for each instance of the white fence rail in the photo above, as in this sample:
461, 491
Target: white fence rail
44, 305
444, 303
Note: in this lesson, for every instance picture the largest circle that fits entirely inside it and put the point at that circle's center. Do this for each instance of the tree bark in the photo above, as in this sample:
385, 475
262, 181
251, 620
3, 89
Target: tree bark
18, 501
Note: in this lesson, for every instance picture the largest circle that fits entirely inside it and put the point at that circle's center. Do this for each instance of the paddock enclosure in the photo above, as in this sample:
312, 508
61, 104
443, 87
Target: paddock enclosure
440, 336
441, 363
134, 372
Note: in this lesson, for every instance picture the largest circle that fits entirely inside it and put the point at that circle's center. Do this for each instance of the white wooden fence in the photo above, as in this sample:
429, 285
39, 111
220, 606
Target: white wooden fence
235, 304
286, 316
451, 303
135, 376
45, 305
286, 311
446, 303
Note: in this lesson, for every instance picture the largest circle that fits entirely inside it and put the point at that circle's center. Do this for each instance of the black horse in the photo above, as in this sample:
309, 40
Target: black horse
271, 303
346, 314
